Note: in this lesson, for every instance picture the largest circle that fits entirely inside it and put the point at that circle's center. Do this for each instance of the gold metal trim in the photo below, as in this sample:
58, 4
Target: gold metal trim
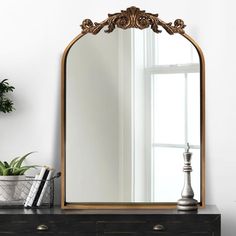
133, 17
130, 18
202, 118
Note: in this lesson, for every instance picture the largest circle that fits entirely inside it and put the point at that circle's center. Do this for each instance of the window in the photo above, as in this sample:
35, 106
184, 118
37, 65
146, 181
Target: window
166, 113
160, 114
174, 98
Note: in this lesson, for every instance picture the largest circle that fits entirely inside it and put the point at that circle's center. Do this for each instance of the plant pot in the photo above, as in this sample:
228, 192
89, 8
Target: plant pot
11, 187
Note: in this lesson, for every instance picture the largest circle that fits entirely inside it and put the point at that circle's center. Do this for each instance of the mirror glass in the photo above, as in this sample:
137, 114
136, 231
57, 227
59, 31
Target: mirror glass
132, 105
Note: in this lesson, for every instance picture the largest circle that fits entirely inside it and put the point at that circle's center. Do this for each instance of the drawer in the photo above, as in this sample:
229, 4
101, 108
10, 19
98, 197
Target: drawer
177, 226
158, 227
56, 224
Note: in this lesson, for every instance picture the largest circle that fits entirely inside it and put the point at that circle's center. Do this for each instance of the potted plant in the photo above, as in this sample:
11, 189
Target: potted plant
6, 105
12, 176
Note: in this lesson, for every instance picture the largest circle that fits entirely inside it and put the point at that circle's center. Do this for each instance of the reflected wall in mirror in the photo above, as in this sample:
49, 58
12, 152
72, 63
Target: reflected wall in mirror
132, 101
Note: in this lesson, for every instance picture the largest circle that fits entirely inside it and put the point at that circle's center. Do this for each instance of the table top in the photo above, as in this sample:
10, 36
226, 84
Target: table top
208, 210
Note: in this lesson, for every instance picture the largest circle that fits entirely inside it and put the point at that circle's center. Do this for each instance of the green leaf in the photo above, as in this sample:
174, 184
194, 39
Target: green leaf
12, 163
2, 167
7, 171
25, 168
20, 161
6, 164
15, 167
6, 105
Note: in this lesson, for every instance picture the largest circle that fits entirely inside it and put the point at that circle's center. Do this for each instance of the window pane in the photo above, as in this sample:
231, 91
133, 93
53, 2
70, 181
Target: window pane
168, 108
182, 51
194, 108
168, 176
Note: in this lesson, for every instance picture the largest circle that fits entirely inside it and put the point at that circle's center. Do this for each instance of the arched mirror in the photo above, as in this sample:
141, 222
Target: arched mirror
132, 98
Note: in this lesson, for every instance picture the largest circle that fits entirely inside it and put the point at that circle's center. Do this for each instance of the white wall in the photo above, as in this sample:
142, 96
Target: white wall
33, 37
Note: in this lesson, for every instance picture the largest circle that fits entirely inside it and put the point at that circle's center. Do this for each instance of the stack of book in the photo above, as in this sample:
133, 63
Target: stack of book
39, 187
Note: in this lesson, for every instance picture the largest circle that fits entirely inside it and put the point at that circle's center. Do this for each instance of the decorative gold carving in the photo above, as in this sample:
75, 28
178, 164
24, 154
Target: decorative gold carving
133, 17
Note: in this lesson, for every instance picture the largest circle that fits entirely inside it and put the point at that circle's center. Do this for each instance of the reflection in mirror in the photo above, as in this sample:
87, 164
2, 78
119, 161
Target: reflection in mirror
132, 104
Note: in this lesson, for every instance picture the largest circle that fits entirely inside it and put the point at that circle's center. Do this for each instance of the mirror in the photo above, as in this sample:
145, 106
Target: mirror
132, 100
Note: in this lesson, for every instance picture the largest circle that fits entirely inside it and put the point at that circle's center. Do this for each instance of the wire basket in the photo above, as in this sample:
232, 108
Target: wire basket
16, 193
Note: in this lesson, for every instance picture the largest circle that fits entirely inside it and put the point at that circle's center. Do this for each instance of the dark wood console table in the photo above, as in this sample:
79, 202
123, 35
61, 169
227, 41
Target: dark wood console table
206, 222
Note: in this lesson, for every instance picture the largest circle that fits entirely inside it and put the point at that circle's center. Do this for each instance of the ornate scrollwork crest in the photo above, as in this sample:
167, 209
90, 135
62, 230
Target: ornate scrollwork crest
133, 17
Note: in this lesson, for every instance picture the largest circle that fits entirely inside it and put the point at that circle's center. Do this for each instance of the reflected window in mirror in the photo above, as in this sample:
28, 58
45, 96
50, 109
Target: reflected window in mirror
166, 113
174, 79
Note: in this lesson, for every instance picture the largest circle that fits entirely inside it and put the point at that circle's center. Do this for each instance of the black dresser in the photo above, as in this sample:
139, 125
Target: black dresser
55, 221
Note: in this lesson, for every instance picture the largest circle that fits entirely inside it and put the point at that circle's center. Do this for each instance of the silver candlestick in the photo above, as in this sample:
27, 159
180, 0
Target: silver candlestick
187, 203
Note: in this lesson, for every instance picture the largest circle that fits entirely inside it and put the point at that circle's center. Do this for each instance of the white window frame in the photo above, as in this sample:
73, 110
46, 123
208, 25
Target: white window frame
150, 70
137, 157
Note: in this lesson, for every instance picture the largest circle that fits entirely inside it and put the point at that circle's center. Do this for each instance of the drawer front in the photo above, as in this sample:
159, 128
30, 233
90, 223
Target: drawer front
55, 225
160, 227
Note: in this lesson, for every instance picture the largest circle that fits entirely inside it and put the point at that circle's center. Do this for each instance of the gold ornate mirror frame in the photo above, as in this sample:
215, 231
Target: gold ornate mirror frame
132, 17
